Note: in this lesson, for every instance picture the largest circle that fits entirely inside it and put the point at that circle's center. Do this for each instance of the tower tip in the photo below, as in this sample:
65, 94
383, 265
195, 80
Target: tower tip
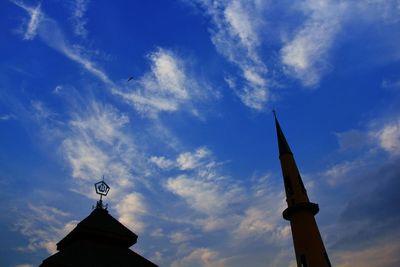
282, 143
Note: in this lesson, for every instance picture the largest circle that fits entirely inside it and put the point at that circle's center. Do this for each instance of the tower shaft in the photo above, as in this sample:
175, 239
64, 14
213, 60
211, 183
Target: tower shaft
308, 245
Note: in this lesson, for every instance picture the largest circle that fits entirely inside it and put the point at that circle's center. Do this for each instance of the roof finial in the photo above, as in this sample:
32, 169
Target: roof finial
101, 189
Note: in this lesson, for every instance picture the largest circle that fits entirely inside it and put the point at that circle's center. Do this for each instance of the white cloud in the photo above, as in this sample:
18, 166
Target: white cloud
340, 172
386, 254
7, 117
40, 110
306, 54
252, 97
24, 265
212, 223
214, 200
255, 223
204, 196
168, 87
381, 134
262, 212
157, 233
189, 161
186, 161
388, 137
86, 160
339, 169
35, 19
78, 17
201, 257
131, 207
96, 144
181, 236
58, 89
50, 33
235, 35
162, 162
44, 226
352, 139
240, 22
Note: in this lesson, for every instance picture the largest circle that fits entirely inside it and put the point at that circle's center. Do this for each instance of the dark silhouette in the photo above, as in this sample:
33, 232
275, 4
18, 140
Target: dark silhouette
308, 245
99, 240
130, 78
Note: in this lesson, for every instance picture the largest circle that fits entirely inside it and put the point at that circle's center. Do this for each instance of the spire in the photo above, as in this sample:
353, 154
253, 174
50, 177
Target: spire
308, 245
283, 144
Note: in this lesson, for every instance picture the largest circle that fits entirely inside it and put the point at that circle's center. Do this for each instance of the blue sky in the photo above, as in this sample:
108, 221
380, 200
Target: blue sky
188, 145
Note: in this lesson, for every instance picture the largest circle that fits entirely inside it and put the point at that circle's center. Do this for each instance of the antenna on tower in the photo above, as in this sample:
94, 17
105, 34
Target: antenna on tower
102, 189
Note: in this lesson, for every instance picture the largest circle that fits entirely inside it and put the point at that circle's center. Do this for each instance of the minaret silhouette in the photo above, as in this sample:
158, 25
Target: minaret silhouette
308, 245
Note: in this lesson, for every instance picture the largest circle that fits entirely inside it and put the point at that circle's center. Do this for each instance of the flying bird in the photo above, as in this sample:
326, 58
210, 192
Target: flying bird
130, 78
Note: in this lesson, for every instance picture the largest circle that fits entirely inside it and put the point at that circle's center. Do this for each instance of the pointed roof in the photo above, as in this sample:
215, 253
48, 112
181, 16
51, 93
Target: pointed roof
282, 143
98, 240
102, 227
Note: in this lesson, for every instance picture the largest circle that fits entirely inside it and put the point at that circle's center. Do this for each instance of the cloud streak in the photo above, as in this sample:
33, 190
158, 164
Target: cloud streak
235, 35
51, 34
78, 17
306, 54
35, 19
167, 87
44, 226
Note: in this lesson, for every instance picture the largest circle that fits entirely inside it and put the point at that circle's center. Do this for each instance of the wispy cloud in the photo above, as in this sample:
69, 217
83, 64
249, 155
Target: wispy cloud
131, 208
215, 200
96, 144
44, 226
24, 265
201, 195
367, 230
343, 172
388, 137
96, 137
167, 87
386, 254
162, 162
35, 19
306, 54
50, 33
204, 189
78, 17
201, 257
254, 223
235, 35
381, 133
238, 33
181, 236
7, 117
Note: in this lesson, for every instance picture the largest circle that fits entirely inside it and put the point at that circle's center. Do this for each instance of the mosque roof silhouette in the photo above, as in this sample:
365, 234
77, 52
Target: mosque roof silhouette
99, 240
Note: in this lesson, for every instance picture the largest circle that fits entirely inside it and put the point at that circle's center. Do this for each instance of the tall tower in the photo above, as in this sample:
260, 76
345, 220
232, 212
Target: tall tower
308, 245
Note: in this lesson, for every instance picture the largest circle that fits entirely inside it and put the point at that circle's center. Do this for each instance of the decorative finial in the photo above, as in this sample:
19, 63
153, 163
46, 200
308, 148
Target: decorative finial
101, 189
